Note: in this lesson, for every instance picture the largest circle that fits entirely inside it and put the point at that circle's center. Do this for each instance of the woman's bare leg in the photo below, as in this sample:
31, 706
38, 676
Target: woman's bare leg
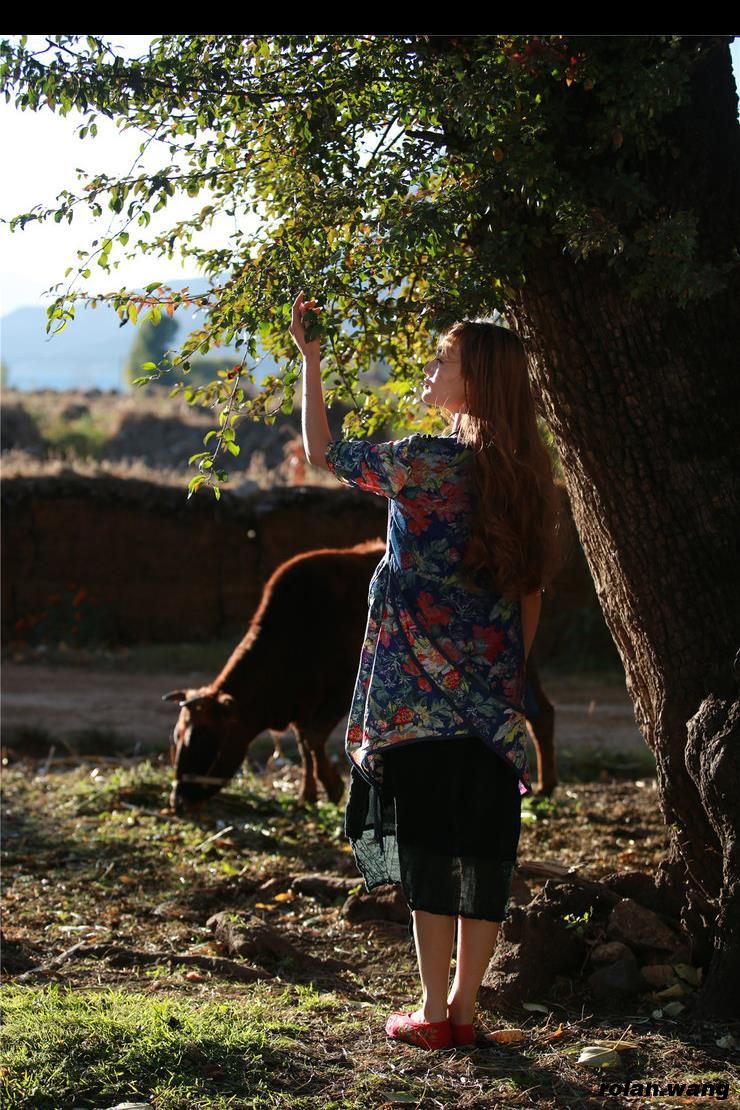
476, 941
434, 934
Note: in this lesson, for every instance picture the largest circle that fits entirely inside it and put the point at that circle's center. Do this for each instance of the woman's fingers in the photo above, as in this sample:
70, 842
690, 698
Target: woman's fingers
300, 307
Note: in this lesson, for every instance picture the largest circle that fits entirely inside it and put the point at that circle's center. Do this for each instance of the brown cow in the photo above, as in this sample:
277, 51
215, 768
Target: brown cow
297, 665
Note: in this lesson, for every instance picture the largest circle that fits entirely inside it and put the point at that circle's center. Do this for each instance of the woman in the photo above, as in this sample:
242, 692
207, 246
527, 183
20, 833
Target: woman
453, 609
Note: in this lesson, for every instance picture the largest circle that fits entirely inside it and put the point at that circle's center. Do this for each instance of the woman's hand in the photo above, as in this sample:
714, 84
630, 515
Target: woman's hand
297, 328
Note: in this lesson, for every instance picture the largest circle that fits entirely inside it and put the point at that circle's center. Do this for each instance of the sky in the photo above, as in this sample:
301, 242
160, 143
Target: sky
42, 154
46, 153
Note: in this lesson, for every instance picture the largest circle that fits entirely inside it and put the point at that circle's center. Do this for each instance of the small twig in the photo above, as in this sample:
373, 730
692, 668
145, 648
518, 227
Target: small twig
213, 836
43, 769
139, 808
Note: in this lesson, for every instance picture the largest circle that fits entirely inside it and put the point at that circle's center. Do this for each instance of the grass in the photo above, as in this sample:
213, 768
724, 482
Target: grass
587, 763
282, 1046
75, 1049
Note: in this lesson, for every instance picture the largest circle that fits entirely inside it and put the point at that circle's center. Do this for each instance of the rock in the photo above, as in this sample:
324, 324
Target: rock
641, 887
640, 927
621, 978
659, 976
610, 952
326, 888
535, 946
250, 937
377, 907
521, 891
680, 953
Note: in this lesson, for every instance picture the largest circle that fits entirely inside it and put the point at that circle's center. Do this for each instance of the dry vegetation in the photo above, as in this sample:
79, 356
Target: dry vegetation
95, 433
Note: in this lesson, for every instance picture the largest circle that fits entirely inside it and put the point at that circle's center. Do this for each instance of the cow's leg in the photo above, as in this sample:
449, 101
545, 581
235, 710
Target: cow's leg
329, 776
307, 792
540, 714
314, 739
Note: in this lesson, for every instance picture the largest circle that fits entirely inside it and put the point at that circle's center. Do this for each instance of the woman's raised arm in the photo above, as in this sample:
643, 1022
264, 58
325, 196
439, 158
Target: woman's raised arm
316, 433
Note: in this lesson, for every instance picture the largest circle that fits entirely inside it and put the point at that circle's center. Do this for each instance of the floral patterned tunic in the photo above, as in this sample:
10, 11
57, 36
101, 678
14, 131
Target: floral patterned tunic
438, 658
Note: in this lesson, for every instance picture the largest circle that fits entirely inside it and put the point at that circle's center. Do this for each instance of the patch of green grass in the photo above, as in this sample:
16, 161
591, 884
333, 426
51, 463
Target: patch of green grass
537, 807
65, 1048
142, 783
588, 763
266, 828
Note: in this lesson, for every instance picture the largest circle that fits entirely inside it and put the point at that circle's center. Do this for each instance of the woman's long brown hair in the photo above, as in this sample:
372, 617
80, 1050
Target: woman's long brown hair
517, 507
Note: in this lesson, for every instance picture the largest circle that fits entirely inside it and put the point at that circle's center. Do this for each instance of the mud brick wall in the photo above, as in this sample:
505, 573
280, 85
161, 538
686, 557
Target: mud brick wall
152, 566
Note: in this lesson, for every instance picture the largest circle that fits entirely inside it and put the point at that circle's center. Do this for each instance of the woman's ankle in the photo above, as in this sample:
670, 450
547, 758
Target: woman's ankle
459, 1012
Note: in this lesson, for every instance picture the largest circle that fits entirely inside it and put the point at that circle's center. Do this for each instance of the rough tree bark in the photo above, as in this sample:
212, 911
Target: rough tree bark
642, 400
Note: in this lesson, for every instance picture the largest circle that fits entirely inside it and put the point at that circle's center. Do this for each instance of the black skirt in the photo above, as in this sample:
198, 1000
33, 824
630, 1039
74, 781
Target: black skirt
445, 826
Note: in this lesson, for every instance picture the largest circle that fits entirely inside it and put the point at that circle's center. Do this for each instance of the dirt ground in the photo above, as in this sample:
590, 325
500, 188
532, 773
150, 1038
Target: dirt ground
110, 896
593, 717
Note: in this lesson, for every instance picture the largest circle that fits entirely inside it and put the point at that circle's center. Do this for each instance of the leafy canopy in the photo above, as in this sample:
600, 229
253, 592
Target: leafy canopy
404, 180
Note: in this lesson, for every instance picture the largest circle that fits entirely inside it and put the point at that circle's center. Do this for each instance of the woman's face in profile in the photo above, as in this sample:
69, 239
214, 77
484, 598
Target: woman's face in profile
443, 381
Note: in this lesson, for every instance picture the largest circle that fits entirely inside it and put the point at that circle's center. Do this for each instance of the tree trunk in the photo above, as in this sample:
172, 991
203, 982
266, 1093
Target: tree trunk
642, 401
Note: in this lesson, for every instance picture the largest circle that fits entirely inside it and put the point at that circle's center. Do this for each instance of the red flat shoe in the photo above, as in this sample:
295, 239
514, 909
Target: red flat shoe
425, 1034
463, 1035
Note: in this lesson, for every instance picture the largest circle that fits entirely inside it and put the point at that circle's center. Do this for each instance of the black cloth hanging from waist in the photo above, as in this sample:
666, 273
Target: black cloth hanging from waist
453, 795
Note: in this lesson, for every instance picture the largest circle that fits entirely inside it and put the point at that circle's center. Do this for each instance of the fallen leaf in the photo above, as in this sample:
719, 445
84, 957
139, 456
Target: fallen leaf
506, 1036
593, 1056
673, 1008
674, 991
688, 973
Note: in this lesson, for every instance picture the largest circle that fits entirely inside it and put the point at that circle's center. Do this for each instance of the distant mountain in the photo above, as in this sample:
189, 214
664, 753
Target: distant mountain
91, 351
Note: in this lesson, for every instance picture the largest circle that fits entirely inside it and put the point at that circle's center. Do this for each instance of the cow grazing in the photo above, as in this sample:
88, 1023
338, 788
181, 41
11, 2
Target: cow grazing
296, 666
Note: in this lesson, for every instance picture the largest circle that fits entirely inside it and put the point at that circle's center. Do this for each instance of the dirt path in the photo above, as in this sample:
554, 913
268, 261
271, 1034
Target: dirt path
63, 700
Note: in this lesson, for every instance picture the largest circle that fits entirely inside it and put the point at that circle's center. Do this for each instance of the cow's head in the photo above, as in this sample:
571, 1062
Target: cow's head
207, 745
